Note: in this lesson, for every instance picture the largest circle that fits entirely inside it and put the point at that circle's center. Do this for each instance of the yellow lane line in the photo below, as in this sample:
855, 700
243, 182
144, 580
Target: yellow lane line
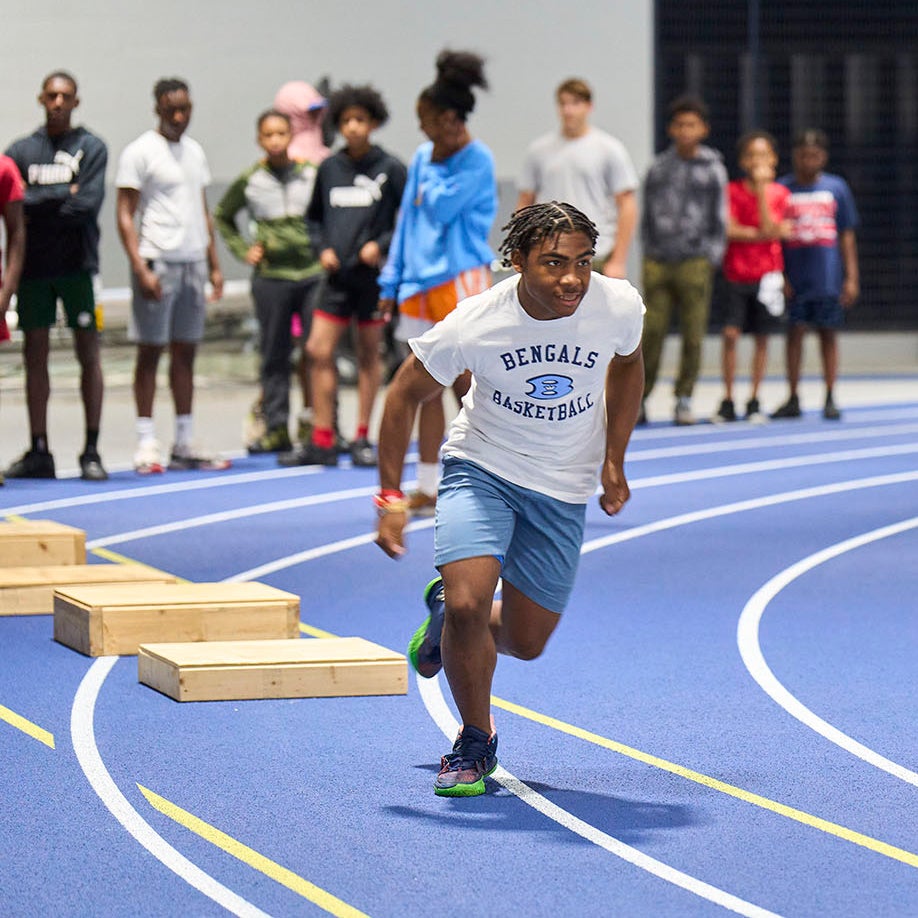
315, 632
269, 868
118, 558
873, 844
20, 723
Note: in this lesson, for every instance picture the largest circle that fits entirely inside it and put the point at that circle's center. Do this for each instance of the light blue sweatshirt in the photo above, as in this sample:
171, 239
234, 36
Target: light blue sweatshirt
446, 215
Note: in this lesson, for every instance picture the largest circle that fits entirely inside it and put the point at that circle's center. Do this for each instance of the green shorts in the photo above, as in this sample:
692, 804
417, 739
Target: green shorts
36, 301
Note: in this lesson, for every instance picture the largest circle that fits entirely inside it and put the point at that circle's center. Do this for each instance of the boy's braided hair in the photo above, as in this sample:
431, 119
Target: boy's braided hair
531, 225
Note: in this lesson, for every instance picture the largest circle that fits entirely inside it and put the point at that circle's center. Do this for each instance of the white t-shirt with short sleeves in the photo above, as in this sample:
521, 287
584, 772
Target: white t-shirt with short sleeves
171, 178
535, 412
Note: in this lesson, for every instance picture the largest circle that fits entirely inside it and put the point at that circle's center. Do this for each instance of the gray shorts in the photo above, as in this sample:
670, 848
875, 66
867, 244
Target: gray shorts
179, 315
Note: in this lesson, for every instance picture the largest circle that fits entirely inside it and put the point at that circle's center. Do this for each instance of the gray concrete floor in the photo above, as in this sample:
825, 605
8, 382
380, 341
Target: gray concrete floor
876, 369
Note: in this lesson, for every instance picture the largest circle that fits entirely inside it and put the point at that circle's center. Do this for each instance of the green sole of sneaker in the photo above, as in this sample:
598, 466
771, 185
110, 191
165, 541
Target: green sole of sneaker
414, 644
476, 789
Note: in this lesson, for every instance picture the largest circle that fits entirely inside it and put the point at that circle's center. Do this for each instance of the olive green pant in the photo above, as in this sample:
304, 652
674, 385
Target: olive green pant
685, 286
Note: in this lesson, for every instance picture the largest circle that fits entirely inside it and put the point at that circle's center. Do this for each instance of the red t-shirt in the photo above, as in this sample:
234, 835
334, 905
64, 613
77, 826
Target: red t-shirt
10, 190
747, 262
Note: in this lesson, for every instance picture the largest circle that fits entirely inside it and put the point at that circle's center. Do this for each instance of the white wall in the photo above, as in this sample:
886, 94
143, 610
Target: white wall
235, 55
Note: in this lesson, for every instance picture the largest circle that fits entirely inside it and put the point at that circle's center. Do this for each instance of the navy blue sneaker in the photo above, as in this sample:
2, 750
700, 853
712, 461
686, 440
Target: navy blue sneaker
424, 646
462, 771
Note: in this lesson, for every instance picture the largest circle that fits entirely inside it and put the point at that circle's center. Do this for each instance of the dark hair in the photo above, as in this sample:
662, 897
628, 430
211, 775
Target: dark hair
271, 113
749, 136
689, 105
457, 73
534, 224
812, 137
575, 87
168, 84
59, 75
365, 97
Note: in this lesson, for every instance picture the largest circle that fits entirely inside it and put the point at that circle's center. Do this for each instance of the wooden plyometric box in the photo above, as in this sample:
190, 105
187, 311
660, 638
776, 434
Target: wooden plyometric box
30, 590
235, 670
28, 543
117, 618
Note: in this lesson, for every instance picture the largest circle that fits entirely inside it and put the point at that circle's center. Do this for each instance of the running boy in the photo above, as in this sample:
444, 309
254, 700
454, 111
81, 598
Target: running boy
820, 263
557, 378
351, 222
753, 264
275, 192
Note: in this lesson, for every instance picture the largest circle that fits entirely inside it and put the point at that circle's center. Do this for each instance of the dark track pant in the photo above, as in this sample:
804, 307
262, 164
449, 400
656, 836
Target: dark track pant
276, 301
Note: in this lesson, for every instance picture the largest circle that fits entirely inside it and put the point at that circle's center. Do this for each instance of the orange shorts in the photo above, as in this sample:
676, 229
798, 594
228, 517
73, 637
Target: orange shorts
436, 304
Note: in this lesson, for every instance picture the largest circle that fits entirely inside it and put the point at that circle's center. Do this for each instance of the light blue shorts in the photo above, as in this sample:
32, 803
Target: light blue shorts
536, 537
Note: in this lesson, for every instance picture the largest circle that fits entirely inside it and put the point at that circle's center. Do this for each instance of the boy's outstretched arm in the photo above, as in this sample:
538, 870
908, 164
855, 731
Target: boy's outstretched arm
624, 390
411, 386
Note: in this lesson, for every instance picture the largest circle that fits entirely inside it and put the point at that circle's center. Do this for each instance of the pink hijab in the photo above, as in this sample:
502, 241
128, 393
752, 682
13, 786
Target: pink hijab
305, 108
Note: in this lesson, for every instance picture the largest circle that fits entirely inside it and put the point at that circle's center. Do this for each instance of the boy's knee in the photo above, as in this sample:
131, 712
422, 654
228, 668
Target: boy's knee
528, 648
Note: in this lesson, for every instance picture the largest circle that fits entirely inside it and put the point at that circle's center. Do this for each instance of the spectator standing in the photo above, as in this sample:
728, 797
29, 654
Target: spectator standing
820, 263
683, 231
586, 167
753, 265
63, 168
161, 180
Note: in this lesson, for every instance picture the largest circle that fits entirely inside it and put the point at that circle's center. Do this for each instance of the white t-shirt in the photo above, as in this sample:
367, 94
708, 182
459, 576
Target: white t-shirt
585, 171
171, 178
535, 413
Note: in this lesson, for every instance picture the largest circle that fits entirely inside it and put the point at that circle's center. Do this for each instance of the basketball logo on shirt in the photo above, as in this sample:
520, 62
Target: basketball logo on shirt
550, 386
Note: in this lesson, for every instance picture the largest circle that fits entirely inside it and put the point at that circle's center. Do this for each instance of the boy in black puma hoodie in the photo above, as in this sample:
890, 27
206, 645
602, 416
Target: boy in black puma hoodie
351, 221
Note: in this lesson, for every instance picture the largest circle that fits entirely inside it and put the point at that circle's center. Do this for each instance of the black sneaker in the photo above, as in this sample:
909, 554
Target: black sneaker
462, 771
276, 440
726, 412
831, 412
754, 412
91, 468
309, 454
790, 409
342, 444
363, 453
32, 464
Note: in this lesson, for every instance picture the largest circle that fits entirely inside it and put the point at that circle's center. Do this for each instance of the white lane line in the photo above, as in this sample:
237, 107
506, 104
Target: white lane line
766, 443
320, 551
224, 516
214, 480
441, 715
210, 480
87, 752
769, 500
724, 471
772, 465
747, 637
852, 416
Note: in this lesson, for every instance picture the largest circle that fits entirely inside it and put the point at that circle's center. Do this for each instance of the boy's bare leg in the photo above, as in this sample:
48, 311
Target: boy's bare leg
476, 629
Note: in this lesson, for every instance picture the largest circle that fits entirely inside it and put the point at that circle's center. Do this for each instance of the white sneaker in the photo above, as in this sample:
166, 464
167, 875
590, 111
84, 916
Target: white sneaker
190, 458
147, 458
683, 416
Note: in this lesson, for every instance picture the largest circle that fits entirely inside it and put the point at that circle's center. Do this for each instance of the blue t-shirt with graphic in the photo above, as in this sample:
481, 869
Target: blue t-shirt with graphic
819, 214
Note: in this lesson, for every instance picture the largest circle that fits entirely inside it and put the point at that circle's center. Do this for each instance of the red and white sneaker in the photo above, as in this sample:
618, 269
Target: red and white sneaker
147, 459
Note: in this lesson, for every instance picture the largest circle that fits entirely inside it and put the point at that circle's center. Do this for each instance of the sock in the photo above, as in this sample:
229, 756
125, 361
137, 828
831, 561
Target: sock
40, 443
92, 441
323, 437
183, 430
145, 430
428, 477
362, 431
